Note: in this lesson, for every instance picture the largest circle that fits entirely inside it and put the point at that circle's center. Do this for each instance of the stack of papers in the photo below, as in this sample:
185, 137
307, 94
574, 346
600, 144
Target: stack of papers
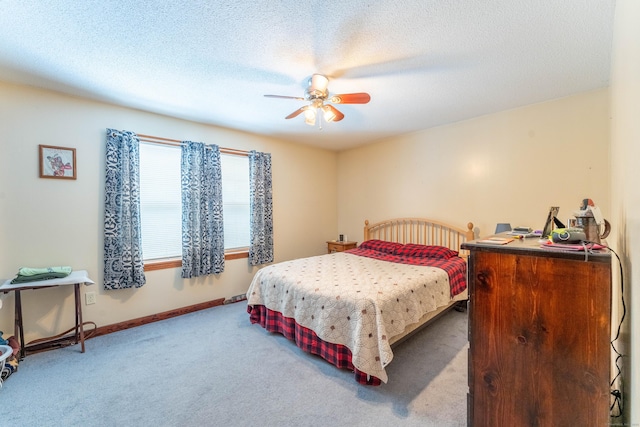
525, 232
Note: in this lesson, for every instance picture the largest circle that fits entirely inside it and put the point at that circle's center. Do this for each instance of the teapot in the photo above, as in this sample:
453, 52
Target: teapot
589, 218
592, 229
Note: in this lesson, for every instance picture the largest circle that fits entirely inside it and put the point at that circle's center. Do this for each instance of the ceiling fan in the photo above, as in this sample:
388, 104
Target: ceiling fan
319, 101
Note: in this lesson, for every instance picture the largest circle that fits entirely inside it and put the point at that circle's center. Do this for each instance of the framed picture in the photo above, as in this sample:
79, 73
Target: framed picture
551, 219
57, 162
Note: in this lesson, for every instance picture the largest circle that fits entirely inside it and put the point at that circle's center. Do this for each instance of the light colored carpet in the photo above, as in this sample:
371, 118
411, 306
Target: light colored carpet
213, 368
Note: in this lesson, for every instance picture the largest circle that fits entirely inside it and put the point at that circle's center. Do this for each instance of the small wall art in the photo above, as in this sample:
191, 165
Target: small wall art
57, 162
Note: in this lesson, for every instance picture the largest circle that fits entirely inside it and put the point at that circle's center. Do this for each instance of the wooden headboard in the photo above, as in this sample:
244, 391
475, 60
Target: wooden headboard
419, 230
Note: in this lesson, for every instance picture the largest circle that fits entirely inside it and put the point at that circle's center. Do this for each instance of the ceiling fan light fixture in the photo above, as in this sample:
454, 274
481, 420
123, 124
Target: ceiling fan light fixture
328, 114
318, 84
310, 116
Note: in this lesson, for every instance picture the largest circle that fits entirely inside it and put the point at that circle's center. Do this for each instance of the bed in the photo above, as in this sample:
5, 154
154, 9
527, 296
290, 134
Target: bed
351, 307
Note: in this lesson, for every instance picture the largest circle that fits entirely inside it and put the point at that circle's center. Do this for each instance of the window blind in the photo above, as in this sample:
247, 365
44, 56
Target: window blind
161, 200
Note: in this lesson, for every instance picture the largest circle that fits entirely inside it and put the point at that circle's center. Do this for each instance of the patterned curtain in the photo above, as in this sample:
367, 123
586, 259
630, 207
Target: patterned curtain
261, 209
123, 266
202, 224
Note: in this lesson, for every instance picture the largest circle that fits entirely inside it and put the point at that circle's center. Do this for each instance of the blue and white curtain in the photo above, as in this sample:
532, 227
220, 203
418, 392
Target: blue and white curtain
123, 266
261, 209
202, 222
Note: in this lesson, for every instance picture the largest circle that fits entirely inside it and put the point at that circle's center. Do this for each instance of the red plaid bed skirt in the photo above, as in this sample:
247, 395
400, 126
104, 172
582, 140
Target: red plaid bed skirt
336, 354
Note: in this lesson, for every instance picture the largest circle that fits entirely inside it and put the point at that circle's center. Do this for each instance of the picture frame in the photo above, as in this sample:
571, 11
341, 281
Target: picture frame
551, 219
57, 162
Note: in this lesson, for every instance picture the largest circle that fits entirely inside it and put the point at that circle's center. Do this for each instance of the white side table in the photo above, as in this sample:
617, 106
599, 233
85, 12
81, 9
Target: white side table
76, 278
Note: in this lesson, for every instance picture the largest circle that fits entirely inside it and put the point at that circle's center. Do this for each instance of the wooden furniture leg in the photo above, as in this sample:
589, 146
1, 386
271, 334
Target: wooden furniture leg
79, 323
17, 326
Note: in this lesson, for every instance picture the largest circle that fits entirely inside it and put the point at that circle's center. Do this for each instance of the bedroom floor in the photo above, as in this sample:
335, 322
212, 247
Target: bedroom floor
214, 368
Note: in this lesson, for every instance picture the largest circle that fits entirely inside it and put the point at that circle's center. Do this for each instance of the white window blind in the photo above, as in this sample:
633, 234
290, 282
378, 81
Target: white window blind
161, 201
235, 197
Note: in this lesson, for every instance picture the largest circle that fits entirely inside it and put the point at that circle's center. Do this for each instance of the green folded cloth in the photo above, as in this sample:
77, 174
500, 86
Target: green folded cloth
37, 277
28, 271
26, 274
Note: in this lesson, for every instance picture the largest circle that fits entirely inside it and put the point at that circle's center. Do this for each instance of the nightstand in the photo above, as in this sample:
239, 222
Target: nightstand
335, 246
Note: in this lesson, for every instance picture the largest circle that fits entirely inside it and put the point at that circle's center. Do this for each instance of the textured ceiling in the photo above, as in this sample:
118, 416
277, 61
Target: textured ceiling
425, 63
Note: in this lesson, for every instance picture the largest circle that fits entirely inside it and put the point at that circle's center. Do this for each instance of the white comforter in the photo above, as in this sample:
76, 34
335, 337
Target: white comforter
355, 301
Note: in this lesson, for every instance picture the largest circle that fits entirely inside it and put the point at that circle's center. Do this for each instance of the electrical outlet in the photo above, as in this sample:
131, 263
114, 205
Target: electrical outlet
90, 298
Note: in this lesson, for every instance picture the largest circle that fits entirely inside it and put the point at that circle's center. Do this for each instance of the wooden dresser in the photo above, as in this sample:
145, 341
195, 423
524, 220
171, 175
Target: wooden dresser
539, 336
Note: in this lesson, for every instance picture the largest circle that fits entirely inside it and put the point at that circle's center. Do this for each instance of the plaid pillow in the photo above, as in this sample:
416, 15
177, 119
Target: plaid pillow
426, 251
381, 246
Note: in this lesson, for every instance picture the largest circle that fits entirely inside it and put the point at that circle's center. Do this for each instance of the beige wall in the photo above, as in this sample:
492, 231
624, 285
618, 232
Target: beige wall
46, 222
625, 195
505, 167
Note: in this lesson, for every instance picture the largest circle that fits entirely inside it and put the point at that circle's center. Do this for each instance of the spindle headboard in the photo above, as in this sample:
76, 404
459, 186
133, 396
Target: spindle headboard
421, 231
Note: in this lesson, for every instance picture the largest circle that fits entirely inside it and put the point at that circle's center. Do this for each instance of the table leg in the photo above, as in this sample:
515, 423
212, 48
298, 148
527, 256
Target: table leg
79, 323
17, 326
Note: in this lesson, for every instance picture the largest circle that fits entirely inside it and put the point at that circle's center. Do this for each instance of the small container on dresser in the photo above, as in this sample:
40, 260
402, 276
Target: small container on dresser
335, 246
539, 336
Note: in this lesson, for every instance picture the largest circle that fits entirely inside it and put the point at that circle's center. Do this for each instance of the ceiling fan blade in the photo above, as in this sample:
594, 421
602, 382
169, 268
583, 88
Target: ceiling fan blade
295, 113
337, 114
286, 97
351, 98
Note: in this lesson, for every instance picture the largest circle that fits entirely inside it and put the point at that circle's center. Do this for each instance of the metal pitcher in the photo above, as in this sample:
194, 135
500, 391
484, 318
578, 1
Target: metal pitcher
592, 230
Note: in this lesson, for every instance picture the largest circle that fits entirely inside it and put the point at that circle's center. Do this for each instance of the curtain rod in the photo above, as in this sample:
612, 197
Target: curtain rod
175, 142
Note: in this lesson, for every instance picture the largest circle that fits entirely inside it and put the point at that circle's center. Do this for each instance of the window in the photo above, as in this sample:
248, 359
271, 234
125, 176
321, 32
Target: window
235, 198
161, 207
160, 201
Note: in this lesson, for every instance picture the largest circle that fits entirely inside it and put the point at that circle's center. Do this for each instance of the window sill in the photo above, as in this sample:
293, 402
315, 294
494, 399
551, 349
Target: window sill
177, 262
